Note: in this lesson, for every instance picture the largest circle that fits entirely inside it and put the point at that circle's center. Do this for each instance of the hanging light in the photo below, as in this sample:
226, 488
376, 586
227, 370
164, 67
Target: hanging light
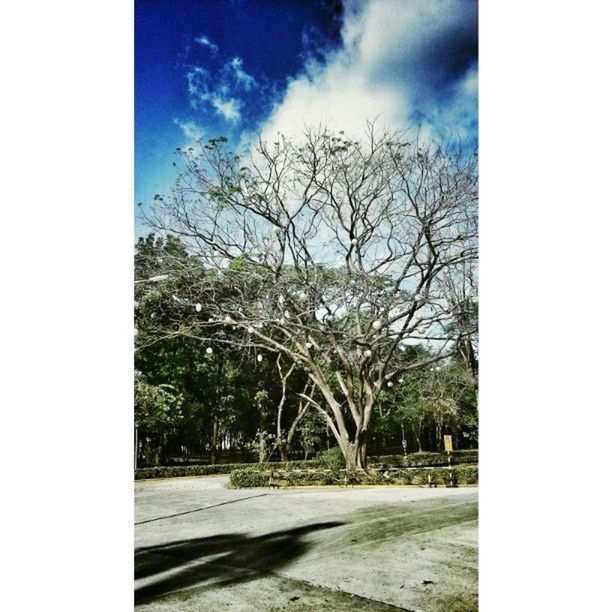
422, 330
367, 353
390, 384
377, 324
209, 350
198, 307
354, 242
438, 369
401, 380
309, 345
260, 358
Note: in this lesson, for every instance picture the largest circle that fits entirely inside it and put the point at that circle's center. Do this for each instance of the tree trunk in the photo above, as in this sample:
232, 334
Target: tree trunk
215, 440
135, 447
262, 446
355, 453
439, 443
283, 447
362, 455
158, 455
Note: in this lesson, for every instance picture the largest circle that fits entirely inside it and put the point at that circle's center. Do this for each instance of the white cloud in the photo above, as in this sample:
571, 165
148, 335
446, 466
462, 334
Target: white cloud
221, 90
202, 94
400, 63
206, 42
229, 109
191, 130
242, 78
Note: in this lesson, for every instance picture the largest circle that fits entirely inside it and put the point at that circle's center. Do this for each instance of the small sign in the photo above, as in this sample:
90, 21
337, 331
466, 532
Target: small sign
448, 444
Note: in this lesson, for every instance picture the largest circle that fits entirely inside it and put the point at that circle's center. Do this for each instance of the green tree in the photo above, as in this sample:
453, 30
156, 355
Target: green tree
157, 413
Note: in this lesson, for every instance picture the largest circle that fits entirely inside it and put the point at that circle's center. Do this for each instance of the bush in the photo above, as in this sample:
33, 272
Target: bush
331, 459
247, 478
460, 475
424, 459
187, 470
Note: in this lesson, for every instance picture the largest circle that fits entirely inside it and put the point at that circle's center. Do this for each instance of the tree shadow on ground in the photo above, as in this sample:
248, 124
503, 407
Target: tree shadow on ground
218, 561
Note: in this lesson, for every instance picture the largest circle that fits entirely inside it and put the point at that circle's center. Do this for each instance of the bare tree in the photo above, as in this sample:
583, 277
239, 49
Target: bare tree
460, 286
331, 252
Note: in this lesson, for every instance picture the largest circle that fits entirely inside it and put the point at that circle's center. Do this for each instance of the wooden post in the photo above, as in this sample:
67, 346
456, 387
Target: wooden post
448, 447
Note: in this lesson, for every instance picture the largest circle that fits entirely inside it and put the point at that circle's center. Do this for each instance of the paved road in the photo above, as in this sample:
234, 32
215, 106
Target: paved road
201, 546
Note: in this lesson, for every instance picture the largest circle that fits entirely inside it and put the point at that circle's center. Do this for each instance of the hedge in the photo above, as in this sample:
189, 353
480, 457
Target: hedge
384, 461
424, 459
460, 475
188, 470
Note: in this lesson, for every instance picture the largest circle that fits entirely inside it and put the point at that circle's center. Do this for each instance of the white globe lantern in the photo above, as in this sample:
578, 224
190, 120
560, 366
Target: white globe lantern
390, 384
198, 307
401, 380
354, 241
259, 358
309, 345
377, 324
367, 353
209, 350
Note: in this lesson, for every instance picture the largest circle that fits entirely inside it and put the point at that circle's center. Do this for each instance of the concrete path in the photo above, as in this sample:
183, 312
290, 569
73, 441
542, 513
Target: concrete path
201, 546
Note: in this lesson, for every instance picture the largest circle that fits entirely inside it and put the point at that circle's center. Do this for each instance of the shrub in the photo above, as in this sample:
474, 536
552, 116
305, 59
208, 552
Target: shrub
467, 475
247, 478
330, 459
424, 459
460, 475
187, 470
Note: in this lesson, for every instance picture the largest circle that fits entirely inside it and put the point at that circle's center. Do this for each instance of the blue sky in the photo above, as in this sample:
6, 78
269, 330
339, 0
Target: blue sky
240, 67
